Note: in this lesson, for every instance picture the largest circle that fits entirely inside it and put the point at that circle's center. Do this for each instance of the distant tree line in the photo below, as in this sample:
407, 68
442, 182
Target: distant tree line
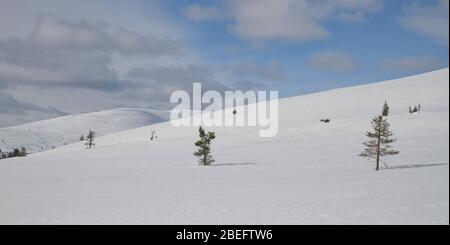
14, 153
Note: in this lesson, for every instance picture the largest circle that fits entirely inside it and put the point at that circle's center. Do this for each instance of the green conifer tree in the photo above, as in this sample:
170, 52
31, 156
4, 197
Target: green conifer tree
204, 147
386, 108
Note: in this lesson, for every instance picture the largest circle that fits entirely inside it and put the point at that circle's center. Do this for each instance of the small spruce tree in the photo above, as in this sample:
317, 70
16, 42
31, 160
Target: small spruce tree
153, 136
386, 108
82, 138
204, 147
378, 144
23, 151
15, 153
90, 139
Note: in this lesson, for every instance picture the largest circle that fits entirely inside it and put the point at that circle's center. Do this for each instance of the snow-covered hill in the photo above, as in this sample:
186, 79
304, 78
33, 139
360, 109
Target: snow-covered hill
308, 174
44, 135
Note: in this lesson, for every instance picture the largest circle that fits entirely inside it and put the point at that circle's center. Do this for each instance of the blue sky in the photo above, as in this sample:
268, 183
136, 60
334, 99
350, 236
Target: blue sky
369, 42
105, 54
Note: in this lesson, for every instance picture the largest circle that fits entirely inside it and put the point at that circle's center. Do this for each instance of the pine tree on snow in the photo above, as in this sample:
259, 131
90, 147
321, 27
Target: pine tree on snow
378, 144
15, 153
204, 147
153, 136
386, 108
90, 139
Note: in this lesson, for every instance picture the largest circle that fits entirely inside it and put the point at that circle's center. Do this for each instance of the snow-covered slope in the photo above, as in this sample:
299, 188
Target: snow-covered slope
43, 135
308, 174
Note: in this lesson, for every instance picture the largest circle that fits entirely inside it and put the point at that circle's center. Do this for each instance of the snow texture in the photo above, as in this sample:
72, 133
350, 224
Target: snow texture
310, 173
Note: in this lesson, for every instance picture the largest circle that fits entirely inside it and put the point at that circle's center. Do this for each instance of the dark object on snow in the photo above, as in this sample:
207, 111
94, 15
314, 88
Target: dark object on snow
379, 140
204, 145
90, 139
415, 110
15, 153
325, 120
153, 137
23, 151
386, 108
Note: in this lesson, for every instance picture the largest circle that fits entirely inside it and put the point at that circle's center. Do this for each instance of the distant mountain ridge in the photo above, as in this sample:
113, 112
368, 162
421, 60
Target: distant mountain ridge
46, 134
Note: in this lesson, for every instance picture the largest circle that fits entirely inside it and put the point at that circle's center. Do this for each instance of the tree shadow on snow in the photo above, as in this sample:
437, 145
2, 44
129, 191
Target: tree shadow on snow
417, 166
232, 164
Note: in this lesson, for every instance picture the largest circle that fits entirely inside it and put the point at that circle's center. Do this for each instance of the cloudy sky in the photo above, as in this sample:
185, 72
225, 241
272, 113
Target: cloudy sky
60, 57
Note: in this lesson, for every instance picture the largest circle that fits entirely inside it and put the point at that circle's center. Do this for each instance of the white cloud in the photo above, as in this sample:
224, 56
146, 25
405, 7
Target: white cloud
412, 64
13, 111
136, 15
10, 105
293, 20
198, 12
333, 61
268, 19
74, 53
55, 32
430, 21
